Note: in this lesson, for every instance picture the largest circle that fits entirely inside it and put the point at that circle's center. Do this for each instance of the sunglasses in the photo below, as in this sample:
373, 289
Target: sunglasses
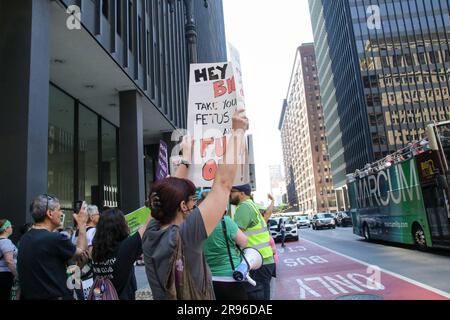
49, 198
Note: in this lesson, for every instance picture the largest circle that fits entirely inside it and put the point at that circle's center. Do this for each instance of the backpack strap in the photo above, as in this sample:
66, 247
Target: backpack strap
224, 228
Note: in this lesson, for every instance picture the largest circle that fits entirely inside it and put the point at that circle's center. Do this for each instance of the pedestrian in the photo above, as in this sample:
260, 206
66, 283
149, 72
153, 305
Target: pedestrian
93, 218
282, 228
173, 243
8, 260
114, 252
43, 253
223, 256
249, 220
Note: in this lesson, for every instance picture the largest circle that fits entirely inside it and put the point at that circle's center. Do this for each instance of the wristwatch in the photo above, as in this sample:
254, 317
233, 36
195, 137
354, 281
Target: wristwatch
185, 162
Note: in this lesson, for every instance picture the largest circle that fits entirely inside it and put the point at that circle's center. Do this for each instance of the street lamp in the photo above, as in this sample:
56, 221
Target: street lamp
190, 27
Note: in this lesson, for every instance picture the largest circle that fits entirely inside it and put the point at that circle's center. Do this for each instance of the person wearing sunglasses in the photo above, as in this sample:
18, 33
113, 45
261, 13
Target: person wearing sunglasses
43, 253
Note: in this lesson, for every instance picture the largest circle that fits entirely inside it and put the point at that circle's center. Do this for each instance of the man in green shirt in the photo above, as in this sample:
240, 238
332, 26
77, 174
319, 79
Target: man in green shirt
250, 221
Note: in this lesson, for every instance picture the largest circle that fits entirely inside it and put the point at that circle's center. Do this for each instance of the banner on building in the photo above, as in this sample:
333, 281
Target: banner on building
212, 102
162, 167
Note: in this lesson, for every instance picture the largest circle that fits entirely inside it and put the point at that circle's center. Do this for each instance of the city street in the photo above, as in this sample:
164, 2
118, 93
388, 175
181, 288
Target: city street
336, 264
331, 264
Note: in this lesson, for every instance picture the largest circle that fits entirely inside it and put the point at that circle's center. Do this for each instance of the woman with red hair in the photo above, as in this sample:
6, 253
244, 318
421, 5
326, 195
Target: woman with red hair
173, 242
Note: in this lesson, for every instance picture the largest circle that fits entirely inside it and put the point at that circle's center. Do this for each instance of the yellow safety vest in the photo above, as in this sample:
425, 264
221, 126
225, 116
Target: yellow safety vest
258, 236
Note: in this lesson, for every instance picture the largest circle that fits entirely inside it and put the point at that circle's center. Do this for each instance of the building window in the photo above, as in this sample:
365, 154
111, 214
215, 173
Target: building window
141, 41
119, 18
84, 175
130, 25
109, 168
105, 8
88, 156
61, 135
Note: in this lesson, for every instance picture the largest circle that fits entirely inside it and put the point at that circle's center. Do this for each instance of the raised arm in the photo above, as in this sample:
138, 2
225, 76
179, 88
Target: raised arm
217, 200
186, 158
269, 210
81, 219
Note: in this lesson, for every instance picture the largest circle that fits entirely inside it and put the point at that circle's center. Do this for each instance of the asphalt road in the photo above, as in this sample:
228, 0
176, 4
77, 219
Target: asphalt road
430, 268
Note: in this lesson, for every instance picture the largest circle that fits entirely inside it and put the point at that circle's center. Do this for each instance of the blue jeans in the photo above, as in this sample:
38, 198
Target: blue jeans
262, 276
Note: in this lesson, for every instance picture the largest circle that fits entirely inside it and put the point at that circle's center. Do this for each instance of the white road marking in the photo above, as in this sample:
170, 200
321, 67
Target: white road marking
414, 282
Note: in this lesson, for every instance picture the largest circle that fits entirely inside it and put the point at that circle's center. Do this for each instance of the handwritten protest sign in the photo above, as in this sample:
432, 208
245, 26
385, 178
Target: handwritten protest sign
137, 219
212, 103
162, 167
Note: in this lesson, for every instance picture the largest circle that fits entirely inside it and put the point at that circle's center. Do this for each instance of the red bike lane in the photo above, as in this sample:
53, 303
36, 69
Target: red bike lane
307, 271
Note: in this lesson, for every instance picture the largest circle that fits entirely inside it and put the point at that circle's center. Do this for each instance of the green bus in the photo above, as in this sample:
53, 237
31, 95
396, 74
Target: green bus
404, 197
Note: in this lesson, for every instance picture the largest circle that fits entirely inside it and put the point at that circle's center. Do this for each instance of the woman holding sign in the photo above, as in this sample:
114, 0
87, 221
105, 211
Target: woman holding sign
173, 242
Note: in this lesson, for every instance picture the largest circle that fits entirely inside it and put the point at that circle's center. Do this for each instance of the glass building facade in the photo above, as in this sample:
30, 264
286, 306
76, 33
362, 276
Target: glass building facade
384, 69
82, 153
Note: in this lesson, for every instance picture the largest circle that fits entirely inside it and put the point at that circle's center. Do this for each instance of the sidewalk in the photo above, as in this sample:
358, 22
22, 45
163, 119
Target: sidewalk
143, 289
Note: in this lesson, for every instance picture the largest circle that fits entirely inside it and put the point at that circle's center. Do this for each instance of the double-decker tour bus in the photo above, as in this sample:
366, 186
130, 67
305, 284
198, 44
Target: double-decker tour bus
405, 197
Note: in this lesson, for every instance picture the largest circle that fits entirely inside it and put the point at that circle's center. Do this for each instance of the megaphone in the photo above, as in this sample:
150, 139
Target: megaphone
251, 260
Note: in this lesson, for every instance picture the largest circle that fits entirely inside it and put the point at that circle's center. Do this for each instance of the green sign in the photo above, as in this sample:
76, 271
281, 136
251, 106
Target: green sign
137, 219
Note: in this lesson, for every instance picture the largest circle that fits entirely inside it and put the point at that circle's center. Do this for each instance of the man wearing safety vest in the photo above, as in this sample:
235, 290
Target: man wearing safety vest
250, 221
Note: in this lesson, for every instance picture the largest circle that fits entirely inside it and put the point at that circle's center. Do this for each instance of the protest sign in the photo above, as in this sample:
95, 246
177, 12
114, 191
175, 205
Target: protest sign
162, 167
235, 59
212, 103
137, 219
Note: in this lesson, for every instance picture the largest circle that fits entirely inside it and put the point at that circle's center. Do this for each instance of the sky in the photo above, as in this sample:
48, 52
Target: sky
267, 34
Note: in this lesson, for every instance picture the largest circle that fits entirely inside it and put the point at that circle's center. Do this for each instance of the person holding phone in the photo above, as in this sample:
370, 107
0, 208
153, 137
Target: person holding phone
43, 254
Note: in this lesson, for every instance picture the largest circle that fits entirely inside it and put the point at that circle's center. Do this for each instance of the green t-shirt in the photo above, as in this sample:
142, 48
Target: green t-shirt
216, 252
245, 217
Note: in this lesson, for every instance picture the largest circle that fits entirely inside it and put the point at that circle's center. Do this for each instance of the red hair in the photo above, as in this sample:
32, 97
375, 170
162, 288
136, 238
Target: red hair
171, 192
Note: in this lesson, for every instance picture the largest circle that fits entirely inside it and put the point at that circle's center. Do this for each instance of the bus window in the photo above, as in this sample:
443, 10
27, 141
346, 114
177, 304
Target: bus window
443, 132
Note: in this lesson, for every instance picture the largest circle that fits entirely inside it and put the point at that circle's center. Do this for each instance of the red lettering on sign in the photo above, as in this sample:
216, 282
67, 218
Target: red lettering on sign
219, 88
231, 85
221, 147
204, 145
209, 170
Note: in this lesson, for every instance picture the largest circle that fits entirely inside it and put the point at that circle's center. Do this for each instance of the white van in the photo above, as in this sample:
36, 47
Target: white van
291, 228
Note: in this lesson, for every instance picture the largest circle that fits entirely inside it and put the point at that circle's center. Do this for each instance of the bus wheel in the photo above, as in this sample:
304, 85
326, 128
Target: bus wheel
366, 232
419, 237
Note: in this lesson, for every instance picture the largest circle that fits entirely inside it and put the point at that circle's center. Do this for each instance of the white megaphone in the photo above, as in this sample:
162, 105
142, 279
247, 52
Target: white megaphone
251, 260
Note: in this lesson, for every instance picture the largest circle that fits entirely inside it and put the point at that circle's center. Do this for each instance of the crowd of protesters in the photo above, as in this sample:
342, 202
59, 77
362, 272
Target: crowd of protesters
190, 248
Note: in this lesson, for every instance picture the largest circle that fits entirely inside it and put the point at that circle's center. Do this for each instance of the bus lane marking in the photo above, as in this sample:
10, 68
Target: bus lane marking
311, 271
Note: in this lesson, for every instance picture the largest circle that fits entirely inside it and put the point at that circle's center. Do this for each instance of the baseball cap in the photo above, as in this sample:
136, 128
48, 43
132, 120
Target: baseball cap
245, 188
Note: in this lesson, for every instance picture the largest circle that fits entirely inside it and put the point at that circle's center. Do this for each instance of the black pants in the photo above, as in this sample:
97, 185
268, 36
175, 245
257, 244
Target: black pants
262, 277
283, 238
230, 290
6, 283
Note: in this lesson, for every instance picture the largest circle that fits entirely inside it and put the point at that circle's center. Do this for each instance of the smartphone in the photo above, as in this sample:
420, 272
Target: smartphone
77, 206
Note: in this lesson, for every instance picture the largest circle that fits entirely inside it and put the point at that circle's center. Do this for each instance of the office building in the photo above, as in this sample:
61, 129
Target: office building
88, 90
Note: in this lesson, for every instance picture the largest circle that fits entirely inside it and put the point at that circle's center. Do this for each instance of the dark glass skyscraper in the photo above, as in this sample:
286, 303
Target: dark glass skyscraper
384, 70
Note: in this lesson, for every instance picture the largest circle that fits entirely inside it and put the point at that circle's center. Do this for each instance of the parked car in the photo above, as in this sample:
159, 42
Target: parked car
323, 220
303, 221
343, 219
291, 228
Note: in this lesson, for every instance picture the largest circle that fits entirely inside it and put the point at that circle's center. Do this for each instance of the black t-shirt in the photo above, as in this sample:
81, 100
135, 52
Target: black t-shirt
41, 264
119, 267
